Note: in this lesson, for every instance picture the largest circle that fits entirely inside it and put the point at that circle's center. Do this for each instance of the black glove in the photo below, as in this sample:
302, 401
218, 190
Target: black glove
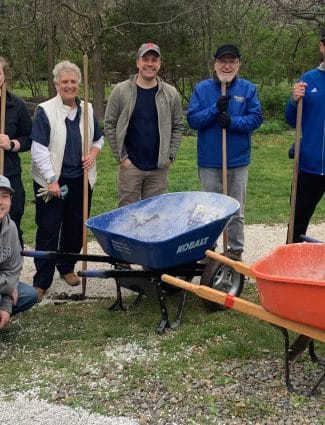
224, 120
222, 103
291, 151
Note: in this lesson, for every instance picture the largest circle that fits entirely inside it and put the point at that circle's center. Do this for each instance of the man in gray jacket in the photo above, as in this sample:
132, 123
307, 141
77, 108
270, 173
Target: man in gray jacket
15, 296
144, 126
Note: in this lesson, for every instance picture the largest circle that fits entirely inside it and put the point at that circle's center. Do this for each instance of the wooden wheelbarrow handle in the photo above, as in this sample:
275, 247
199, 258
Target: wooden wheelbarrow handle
239, 266
244, 306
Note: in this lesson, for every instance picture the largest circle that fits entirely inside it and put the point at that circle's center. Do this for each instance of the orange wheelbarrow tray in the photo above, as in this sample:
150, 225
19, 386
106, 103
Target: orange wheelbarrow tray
290, 281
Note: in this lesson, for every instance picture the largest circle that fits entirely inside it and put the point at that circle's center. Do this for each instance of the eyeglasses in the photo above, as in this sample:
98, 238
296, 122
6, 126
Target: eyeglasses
231, 62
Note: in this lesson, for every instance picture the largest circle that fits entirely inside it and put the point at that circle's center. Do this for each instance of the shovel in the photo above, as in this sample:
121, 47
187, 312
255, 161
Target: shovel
224, 168
295, 173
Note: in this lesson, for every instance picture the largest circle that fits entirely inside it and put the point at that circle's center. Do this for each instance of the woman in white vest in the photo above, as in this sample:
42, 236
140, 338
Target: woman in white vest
58, 162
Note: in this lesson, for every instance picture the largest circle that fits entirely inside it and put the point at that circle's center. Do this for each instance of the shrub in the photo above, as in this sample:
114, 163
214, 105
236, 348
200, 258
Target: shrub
274, 99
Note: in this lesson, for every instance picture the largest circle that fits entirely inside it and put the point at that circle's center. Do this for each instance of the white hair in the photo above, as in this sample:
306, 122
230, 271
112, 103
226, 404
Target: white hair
65, 66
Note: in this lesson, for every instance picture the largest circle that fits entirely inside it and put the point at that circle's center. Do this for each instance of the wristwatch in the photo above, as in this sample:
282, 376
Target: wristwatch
51, 180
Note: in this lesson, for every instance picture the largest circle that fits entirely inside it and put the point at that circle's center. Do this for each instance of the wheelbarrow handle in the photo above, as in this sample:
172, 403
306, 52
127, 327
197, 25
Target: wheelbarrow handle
244, 306
239, 266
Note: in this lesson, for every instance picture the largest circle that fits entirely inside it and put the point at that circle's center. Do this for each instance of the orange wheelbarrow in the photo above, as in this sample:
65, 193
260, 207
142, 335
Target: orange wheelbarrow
291, 287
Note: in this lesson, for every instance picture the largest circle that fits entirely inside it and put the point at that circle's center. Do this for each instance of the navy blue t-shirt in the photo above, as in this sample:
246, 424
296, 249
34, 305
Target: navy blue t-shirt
142, 138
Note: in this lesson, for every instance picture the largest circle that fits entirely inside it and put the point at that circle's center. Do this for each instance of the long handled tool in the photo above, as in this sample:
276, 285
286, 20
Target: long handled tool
244, 306
85, 174
3, 123
295, 173
224, 168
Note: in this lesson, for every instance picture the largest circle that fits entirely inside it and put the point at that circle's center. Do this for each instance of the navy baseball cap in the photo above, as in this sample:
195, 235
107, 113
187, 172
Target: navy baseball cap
227, 49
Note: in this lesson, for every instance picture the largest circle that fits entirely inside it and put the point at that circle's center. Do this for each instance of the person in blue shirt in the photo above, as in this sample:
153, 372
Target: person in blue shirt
311, 174
239, 112
58, 162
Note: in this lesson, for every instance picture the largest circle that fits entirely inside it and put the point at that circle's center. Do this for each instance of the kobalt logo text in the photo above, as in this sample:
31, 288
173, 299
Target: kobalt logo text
190, 245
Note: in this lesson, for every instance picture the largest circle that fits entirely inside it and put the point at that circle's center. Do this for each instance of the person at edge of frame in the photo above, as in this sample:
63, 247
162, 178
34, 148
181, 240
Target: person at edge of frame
15, 296
240, 113
311, 174
15, 139
58, 164
144, 127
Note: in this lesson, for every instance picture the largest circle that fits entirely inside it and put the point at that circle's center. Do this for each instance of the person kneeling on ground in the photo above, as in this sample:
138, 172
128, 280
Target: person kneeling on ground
15, 296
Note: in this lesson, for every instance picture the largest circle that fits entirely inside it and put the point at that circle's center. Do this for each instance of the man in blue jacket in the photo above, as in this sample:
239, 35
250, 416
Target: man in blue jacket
239, 112
311, 175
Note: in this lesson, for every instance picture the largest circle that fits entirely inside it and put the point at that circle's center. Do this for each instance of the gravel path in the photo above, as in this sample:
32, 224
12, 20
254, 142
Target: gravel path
249, 380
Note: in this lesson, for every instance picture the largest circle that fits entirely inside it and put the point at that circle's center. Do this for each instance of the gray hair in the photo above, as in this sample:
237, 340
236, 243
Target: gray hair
65, 66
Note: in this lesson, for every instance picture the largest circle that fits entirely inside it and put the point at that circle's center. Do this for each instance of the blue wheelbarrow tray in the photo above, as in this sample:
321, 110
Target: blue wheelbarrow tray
164, 231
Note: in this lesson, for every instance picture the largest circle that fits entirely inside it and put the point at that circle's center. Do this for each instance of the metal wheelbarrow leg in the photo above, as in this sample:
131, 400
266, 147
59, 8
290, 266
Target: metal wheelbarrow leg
145, 282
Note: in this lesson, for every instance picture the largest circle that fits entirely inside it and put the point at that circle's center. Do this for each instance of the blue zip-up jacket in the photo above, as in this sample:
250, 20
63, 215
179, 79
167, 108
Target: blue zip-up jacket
312, 145
246, 116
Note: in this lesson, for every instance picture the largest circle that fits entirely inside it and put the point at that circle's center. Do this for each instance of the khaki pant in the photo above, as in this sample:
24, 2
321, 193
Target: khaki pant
134, 184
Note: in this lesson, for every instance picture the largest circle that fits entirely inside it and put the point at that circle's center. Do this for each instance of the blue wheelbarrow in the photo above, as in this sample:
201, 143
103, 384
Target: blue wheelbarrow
167, 233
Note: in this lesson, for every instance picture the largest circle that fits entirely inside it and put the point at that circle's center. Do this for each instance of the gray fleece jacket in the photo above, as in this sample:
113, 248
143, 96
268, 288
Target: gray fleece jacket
11, 262
119, 109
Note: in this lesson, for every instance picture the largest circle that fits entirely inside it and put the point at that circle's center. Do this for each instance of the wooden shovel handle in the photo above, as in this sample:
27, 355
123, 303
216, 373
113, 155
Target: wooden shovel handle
85, 173
239, 266
224, 167
293, 197
244, 306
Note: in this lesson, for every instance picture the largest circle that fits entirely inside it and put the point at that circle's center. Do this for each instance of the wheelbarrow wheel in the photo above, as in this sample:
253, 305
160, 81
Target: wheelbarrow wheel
224, 278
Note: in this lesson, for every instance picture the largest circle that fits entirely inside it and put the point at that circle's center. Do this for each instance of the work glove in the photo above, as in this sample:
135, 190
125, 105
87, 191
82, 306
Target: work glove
291, 151
224, 120
222, 103
44, 193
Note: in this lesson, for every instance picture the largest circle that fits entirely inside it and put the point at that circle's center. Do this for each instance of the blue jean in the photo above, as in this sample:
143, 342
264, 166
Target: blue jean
27, 297
211, 181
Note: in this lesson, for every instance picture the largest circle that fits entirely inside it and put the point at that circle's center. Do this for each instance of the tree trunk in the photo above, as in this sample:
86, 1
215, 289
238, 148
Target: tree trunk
98, 83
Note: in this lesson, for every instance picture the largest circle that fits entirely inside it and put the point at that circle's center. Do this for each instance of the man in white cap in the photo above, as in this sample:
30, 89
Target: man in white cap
15, 296
144, 126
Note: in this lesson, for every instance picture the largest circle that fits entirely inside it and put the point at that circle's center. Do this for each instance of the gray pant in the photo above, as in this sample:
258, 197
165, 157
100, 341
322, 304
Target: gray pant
211, 181
134, 184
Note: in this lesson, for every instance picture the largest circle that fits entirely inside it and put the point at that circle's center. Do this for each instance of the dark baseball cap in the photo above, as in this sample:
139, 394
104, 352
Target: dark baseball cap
5, 184
148, 47
227, 49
